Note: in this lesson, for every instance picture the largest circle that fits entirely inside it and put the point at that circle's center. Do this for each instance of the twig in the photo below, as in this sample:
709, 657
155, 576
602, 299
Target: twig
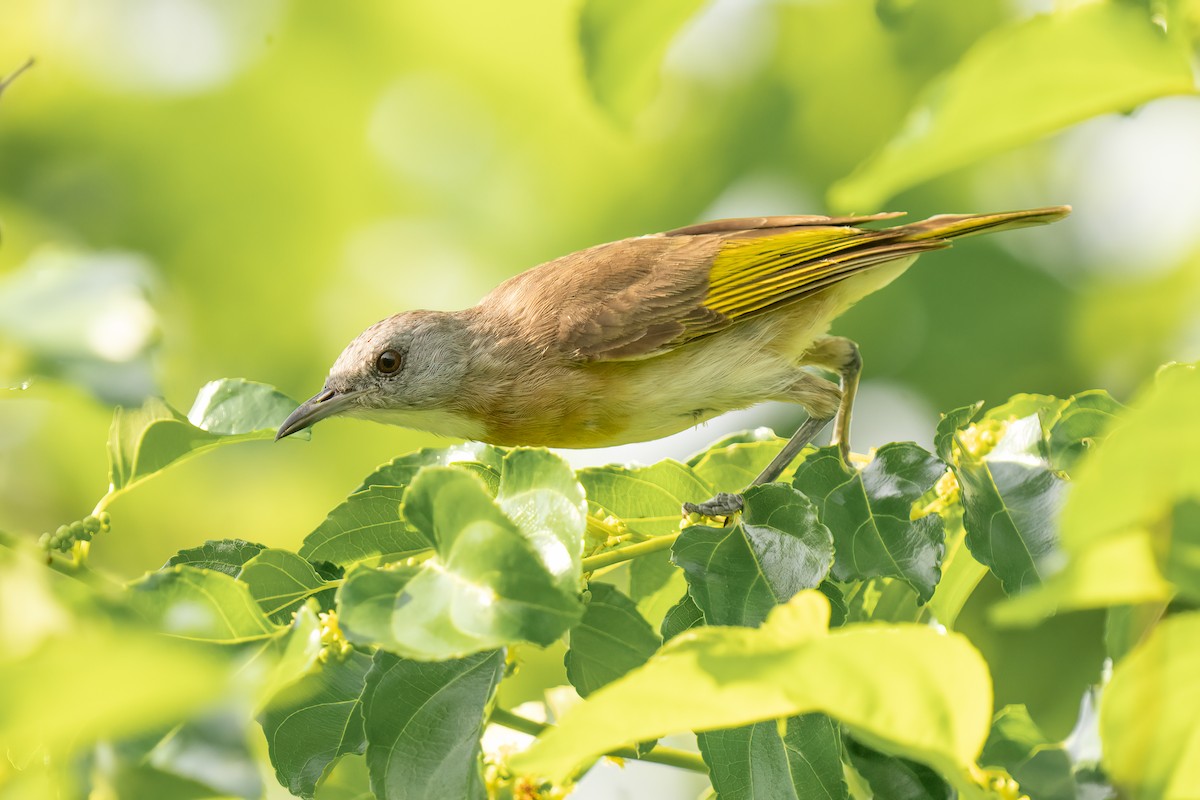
670, 756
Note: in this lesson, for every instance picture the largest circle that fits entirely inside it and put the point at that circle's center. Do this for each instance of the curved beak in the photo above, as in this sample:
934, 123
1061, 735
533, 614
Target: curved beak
316, 408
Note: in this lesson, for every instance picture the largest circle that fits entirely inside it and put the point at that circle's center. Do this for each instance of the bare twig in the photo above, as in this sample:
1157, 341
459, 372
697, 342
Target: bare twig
7, 81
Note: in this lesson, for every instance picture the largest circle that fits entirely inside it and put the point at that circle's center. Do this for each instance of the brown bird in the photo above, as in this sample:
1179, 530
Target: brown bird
643, 337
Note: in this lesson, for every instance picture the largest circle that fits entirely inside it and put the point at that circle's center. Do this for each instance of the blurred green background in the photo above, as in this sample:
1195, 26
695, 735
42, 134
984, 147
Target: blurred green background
194, 189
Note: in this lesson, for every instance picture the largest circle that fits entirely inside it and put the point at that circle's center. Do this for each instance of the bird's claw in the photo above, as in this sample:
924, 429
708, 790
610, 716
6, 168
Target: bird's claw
724, 504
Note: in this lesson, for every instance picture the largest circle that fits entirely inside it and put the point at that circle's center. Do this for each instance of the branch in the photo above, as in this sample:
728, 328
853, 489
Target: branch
619, 554
669, 756
6, 82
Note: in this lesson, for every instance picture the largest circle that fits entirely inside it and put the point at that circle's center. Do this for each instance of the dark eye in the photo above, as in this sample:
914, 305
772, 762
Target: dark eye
388, 362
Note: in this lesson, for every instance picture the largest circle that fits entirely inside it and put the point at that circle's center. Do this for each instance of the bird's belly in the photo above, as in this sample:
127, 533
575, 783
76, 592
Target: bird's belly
612, 403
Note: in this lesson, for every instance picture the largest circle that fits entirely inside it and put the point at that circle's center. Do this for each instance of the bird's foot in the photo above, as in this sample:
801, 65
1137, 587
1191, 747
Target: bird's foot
725, 504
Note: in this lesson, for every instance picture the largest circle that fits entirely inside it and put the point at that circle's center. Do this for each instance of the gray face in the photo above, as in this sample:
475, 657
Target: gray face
408, 363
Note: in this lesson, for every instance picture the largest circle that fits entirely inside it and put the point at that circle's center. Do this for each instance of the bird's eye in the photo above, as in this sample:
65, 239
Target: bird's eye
388, 362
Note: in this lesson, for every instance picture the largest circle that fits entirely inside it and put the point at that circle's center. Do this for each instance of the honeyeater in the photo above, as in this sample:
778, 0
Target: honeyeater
644, 337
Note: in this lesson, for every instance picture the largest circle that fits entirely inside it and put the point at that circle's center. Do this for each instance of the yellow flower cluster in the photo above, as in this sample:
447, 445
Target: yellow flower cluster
946, 494
333, 641
980, 438
604, 531
997, 781
503, 785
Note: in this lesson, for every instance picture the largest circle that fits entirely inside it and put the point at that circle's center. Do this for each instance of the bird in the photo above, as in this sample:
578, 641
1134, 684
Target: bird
643, 337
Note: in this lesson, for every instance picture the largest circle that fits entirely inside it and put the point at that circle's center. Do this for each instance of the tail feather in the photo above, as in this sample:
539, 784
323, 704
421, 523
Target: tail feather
952, 226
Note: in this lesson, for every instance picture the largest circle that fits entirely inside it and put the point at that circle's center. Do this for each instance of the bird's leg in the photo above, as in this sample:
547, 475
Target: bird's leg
839, 354
823, 400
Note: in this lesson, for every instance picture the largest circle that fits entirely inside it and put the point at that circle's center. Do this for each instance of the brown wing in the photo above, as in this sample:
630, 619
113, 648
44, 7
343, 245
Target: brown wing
640, 297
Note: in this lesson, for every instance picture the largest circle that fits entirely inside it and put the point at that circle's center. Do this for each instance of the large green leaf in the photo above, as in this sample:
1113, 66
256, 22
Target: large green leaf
210, 751
950, 423
622, 43
1011, 499
732, 463
423, 723
610, 640
1042, 768
538, 491
682, 616
961, 572
144, 681
281, 582
1018, 84
931, 703
482, 459
315, 721
201, 604
777, 548
647, 499
1118, 522
485, 587
222, 555
1146, 466
366, 528
869, 513
1079, 426
897, 778
1150, 714
144, 441
799, 758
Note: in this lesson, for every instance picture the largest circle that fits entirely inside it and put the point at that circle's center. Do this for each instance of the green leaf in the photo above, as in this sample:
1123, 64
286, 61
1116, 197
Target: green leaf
1011, 499
869, 513
932, 703
281, 581
222, 555
651, 574
423, 723
482, 459
538, 491
315, 721
1117, 522
1182, 562
732, 463
1047, 408
896, 778
683, 616
799, 758
144, 441
951, 423
200, 604
1080, 426
1018, 84
961, 573
289, 656
739, 573
485, 587
148, 681
647, 499
623, 43
366, 528
211, 750
1042, 768
610, 640
1150, 714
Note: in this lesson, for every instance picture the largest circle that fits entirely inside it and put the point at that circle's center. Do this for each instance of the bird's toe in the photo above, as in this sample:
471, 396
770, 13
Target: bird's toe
725, 504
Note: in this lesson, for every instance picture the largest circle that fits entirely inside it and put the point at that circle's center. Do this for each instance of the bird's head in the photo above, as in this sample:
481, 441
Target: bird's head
401, 369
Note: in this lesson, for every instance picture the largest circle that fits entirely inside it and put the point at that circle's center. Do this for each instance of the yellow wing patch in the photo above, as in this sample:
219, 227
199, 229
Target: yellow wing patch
752, 275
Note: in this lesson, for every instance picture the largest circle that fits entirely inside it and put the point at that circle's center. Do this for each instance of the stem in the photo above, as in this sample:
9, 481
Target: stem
669, 756
628, 553
12, 76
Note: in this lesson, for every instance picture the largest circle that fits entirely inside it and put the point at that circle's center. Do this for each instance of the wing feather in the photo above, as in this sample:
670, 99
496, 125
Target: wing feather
661, 292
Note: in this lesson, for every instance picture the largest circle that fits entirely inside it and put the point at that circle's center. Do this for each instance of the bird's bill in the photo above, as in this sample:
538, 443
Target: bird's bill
313, 410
